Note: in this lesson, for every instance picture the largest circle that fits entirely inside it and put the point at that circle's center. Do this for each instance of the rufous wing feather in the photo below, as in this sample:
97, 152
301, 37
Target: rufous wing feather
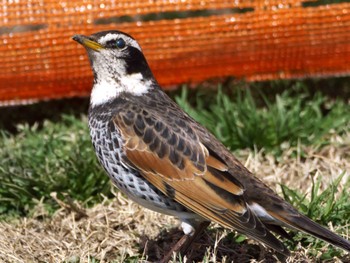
198, 180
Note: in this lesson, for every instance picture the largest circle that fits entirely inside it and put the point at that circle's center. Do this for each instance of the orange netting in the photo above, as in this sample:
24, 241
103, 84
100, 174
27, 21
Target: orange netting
184, 41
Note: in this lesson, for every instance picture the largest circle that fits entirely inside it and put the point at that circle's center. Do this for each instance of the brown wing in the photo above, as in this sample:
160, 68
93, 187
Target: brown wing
174, 160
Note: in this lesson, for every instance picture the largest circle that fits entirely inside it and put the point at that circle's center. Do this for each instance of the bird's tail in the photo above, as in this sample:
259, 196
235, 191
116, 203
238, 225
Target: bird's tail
303, 223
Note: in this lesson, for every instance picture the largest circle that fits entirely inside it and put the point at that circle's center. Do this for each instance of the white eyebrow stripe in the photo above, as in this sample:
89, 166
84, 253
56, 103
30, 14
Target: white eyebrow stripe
134, 43
112, 36
108, 37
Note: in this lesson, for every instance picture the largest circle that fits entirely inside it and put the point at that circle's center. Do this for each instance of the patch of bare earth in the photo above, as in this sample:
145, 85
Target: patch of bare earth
118, 230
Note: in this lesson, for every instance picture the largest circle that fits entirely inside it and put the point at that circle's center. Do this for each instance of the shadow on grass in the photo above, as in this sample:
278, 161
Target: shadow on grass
226, 250
52, 110
210, 247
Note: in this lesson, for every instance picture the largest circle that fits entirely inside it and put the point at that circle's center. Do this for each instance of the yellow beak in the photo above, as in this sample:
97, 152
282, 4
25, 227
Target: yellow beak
88, 43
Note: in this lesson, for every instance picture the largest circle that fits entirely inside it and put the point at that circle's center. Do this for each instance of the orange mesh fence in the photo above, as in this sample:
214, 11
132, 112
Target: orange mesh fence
184, 41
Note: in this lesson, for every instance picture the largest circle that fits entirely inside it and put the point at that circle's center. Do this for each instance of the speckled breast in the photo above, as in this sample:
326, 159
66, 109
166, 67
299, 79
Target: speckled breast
107, 142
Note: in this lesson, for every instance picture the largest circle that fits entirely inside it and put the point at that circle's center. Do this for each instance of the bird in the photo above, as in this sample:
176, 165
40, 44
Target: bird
164, 160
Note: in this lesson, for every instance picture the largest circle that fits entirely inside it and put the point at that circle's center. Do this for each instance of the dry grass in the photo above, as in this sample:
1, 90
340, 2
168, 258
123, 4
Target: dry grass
120, 231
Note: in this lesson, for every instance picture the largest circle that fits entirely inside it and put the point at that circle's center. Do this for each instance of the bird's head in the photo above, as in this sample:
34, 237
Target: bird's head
118, 64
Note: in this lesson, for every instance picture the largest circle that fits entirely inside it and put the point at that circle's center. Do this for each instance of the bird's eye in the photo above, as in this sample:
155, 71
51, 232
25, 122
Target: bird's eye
120, 43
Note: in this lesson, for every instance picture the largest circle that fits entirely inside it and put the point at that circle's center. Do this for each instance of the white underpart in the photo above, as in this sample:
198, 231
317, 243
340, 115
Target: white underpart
187, 228
260, 212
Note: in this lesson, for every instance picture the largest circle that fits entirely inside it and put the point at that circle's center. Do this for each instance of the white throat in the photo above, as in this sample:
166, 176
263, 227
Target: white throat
108, 89
112, 79
102, 92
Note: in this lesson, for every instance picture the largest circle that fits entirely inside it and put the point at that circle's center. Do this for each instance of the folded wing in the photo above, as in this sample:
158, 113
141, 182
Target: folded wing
175, 161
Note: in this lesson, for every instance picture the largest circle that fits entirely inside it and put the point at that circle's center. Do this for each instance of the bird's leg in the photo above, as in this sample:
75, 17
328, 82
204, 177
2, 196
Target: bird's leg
184, 243
198, 230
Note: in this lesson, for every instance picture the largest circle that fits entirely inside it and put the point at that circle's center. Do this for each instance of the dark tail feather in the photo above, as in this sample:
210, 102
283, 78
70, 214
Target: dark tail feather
279, 231
305, 224
271, 241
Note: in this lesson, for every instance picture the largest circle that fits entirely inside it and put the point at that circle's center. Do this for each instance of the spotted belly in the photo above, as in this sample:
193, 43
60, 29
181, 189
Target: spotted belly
107, 143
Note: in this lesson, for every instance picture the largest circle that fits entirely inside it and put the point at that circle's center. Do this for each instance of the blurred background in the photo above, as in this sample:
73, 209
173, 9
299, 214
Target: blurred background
184, 41
269, 78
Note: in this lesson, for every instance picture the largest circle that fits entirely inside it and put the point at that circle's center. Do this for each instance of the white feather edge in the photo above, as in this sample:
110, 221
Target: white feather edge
260, 212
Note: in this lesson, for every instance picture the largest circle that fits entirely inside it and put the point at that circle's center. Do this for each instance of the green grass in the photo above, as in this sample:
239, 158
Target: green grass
323, 207
292, 117
57, 156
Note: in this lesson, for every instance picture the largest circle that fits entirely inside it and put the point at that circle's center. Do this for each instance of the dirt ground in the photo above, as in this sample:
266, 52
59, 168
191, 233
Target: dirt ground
118, 230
